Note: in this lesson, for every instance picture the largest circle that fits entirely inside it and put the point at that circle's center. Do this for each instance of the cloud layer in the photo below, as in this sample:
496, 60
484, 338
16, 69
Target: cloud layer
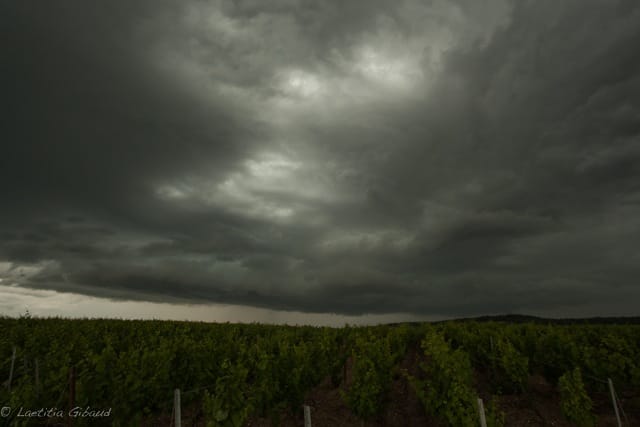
421, 157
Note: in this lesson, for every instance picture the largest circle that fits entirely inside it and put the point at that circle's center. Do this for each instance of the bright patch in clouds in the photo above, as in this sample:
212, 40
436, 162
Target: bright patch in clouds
301, 84
271, 186
272, 166
366, 240
170, 192
249, 190
399, 71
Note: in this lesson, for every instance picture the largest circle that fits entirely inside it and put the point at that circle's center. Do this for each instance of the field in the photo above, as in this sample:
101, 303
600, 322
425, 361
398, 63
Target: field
118, 372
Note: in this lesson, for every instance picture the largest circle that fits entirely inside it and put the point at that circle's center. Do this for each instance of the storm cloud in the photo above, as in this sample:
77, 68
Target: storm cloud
369, 157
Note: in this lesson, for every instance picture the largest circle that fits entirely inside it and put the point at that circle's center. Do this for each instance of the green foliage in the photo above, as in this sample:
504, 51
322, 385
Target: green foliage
366, 392
509, 353
491, 349
229, 405
513, 367
556, 352
134, 366
237, 371
574, 401
610, 356
494, 416
374, 358
448, 391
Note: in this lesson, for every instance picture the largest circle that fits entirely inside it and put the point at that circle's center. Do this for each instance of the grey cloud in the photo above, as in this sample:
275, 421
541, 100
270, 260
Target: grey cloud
370, 157
91, 121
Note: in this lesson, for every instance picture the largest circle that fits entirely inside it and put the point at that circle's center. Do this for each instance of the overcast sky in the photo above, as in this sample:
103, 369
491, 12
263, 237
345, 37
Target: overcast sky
271, 160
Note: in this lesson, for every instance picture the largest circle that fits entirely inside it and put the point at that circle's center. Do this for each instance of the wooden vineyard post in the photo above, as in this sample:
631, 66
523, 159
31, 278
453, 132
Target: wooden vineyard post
615, 403
483, 420
176, 407
13, 362
307, 416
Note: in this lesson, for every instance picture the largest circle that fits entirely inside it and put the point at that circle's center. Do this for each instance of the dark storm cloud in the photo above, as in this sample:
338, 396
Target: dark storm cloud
88, 119
374, 157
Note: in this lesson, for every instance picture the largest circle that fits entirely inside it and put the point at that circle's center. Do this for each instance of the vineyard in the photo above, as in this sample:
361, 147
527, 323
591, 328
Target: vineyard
125, 373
